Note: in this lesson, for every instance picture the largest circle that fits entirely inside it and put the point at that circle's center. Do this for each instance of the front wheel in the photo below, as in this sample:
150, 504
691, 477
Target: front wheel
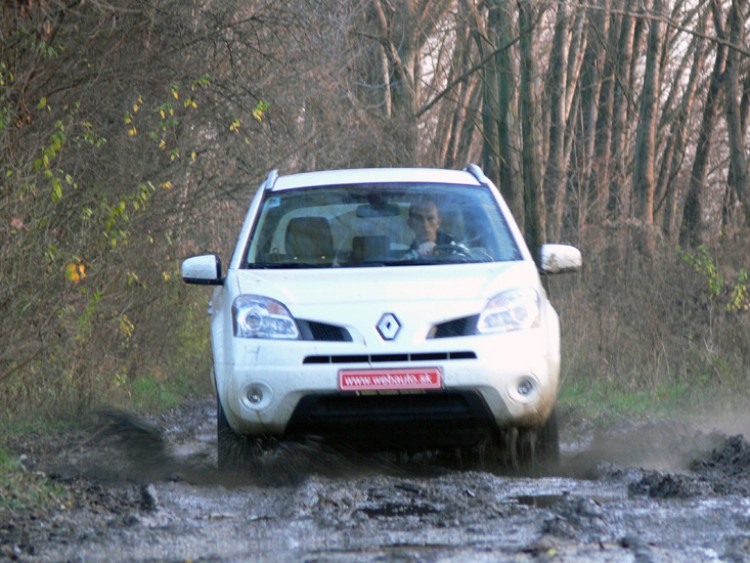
234, 451
528, 451
548, 444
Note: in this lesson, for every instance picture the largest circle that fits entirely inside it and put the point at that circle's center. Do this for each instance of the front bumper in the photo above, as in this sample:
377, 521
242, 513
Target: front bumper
489, 380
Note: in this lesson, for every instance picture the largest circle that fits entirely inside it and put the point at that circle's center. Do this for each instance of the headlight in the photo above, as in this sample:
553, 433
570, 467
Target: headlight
516, 309
254, 316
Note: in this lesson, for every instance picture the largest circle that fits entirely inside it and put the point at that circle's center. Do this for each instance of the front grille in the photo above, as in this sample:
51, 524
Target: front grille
404, 420
457, 327
390, 358
322, 332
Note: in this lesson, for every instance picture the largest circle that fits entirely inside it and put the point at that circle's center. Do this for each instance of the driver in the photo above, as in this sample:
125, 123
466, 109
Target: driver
424, 220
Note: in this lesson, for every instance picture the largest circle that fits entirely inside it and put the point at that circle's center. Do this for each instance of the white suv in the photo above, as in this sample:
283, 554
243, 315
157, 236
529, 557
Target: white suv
398, 308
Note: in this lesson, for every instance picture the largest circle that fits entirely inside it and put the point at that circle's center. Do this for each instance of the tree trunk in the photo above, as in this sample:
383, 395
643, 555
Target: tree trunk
499, 159
737, 159
598, 85
403, 30
618, 194
692, 228
534, 211
554, 176
679, 133
645, 144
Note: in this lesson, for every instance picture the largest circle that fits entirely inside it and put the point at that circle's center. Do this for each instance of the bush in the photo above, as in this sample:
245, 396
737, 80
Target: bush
677, 321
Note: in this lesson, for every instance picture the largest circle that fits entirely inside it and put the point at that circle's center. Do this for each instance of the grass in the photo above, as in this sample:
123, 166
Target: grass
612, 401
151, 394
23, 490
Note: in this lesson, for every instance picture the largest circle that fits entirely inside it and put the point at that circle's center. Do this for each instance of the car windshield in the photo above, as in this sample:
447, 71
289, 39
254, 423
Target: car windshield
367, 225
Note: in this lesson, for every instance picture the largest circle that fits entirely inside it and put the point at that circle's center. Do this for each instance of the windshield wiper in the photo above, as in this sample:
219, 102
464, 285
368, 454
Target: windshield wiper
287, 265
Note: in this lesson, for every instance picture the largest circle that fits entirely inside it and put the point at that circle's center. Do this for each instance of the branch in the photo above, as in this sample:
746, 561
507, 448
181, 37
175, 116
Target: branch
670, 22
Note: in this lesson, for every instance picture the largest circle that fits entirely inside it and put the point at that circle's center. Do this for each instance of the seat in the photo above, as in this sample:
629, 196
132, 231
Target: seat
309, 238
366, 248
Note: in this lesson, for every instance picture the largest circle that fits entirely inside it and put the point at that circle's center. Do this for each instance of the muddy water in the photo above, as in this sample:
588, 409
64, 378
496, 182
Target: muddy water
150, 490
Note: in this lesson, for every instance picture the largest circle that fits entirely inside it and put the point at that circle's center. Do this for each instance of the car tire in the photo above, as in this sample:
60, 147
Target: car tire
234, 451
548, 444
529, 451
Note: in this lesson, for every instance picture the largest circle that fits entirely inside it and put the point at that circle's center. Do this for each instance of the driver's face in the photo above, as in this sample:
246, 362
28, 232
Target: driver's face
424, 220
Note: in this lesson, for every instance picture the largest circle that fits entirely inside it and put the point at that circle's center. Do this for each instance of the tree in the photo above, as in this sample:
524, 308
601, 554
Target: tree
534, 208
693, 226
645, 145
555, 172
738, 176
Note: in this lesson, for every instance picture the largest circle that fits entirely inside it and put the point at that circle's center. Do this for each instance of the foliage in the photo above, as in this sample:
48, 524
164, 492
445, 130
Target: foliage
133, 135
732, 295
21, 489
89, 267
649, 325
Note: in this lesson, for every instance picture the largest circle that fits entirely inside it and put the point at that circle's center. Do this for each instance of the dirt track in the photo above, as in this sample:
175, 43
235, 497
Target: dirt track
654, 492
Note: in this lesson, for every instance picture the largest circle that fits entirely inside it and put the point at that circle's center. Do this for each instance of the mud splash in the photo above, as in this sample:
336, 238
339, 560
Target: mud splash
149, 489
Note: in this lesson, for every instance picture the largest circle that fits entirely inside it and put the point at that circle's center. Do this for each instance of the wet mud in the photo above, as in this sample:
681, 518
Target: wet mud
150, 490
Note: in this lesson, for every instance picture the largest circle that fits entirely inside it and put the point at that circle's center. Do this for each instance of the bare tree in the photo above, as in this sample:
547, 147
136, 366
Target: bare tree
619, 200
692, 227
493, 34
645, 147
674, 154
599, 79
534, 208
738, 174
555, 173
402, 28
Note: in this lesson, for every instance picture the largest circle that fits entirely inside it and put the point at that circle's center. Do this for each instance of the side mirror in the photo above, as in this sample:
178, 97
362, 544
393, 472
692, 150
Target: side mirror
202, 270
559, 258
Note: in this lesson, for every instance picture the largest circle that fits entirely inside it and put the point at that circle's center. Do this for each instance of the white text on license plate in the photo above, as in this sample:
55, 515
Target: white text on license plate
390, 379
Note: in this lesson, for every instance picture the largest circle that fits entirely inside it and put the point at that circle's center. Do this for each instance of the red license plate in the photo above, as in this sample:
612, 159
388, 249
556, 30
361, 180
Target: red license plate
390, 379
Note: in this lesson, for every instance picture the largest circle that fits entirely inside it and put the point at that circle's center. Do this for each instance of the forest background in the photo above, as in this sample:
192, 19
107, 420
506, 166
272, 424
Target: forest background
134, 134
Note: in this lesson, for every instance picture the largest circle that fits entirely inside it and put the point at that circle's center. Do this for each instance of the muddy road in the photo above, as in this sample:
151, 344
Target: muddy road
652, 492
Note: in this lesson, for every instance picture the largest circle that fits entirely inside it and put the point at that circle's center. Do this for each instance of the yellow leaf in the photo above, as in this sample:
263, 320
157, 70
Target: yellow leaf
75, 272
167, 276
166, 185
132, 131
194, 155
136, 107
162, 144
163, 115
126, 326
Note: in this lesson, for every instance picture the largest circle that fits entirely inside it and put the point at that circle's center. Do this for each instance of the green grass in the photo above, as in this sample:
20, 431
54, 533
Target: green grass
22, 490
608, 400
150, 394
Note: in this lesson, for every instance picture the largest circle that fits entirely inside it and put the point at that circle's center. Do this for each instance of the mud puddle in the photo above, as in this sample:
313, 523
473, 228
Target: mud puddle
150, 490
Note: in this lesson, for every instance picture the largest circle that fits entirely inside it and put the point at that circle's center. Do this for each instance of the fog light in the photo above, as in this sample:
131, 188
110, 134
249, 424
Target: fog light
525, 388
255, 395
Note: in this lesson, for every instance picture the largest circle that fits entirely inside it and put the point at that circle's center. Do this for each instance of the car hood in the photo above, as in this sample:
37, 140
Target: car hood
384, 285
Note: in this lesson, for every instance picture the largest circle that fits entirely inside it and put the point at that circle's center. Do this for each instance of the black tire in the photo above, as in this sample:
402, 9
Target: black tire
234, 451
548, 445
528, 451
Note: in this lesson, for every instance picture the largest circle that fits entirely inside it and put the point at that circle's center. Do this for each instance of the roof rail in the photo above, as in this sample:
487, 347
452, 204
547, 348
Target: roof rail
273, 175
477, 172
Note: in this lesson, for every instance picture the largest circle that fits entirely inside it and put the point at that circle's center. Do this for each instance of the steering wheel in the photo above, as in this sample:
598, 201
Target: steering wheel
452, 250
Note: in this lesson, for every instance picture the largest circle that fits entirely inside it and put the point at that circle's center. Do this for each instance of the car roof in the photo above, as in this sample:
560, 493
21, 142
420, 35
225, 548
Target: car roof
373, 175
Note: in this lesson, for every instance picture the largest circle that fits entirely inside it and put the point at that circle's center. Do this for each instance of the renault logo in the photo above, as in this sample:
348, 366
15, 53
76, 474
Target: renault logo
388, 326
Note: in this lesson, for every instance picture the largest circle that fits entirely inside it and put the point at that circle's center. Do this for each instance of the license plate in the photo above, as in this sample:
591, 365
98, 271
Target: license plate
390, 379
